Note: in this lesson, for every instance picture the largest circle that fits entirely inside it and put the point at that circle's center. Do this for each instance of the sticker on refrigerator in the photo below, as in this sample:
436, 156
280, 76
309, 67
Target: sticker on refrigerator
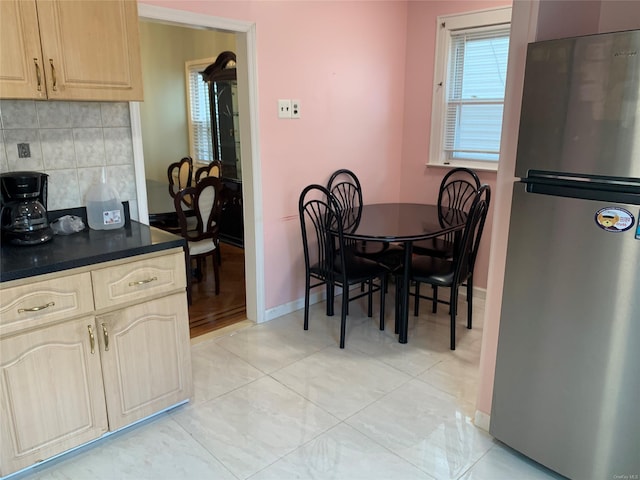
614, 219
638, 228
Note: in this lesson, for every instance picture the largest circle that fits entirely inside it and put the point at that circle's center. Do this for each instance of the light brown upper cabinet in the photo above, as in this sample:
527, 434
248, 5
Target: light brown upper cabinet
70, 50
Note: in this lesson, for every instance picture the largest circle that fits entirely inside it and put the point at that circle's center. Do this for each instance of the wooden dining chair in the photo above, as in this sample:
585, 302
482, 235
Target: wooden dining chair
328, 262
202, 241
452, 273
214, 169
180, 175
455, 196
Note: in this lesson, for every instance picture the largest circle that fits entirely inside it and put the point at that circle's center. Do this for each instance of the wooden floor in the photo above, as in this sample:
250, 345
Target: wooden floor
209, 311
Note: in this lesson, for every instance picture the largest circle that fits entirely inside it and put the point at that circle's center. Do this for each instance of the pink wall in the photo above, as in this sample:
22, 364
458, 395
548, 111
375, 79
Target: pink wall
345, 62
418, 182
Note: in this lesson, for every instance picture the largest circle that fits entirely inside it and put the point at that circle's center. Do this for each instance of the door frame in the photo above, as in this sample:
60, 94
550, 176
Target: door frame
249, 142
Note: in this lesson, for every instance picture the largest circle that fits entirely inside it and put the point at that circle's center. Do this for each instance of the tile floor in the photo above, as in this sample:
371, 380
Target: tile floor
272, 401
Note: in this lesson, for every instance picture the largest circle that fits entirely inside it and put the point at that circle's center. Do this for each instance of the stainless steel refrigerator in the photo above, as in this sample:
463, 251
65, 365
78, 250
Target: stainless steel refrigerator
567, 378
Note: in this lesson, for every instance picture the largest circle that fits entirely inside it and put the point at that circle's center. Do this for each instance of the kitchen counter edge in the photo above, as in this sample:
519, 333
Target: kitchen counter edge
82, 249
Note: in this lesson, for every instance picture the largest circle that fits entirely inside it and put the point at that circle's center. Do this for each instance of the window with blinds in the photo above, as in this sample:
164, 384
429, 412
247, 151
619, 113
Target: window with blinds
201, 141
475, 93
469, 86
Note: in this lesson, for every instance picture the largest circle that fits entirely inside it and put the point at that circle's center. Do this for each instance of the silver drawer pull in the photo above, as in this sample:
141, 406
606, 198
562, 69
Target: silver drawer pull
36, 309
142, 282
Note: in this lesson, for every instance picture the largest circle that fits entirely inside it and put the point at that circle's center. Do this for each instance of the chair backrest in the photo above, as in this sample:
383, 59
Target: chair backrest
205, 205
182, 172
214, 169
345, 189
457, 192
467, 251
318, 217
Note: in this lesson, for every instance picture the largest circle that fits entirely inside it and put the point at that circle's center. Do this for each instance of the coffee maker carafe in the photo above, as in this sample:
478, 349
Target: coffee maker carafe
24, 208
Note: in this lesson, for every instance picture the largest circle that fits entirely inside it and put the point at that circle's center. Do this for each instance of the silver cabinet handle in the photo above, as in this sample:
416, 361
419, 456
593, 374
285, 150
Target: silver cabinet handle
92, 339
106, 337
38, 75
53, 75
36, 309
142, 282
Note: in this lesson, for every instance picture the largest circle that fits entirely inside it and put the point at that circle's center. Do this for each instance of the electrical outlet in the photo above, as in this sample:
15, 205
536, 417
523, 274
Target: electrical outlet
295, 108
284, 108
24, 151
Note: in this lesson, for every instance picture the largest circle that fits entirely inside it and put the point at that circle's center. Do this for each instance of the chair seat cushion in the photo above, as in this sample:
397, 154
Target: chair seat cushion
435, 271
357, 267
201, 246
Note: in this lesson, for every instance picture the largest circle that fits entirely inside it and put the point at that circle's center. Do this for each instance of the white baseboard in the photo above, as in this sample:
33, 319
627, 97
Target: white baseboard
286, 308
482, 420
319, 296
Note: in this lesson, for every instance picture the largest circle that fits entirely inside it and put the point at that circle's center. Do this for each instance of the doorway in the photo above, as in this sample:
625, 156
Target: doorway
247, 100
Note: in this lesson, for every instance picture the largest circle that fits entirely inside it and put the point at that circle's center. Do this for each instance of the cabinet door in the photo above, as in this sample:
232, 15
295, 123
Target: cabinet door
51, 393
91, 49
21, 67
146, 360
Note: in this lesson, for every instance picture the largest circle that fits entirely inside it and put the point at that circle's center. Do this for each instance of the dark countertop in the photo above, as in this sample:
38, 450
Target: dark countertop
81, 249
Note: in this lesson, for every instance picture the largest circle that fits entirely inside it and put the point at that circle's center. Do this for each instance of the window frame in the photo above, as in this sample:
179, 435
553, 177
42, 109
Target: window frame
189, 66
446, 24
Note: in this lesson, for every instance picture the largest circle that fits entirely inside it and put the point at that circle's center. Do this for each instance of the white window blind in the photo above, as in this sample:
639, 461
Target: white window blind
475, 93
200, 119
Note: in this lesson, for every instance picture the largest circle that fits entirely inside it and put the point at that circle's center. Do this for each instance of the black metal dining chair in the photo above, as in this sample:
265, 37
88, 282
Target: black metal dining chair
452, 273
455, 196
202, 241
345, 188
327, 259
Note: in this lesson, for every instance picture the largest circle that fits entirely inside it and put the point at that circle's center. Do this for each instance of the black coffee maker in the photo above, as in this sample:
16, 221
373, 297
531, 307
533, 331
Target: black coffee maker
24, 208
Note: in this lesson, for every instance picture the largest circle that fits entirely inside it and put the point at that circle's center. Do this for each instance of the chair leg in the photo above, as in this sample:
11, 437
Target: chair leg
343, 317
453, 299
188, 268
216, 275
416, 302
370, 299
434, 307
397, 304
307, 287
469, 301
383, 291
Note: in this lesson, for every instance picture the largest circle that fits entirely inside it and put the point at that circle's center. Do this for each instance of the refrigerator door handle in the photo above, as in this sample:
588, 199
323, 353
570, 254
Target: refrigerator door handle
608, 189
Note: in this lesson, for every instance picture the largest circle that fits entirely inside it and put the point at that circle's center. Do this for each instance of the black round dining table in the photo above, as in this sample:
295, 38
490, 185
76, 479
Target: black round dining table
401, 223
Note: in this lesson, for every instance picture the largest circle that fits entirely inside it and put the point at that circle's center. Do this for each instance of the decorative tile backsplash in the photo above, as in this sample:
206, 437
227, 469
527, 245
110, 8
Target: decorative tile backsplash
71, 142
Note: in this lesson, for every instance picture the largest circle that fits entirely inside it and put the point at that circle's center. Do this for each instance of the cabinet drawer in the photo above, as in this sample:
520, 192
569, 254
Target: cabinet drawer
137, 280
41, 302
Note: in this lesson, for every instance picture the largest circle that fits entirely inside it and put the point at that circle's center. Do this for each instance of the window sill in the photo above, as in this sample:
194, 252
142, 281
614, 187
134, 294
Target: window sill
478, 167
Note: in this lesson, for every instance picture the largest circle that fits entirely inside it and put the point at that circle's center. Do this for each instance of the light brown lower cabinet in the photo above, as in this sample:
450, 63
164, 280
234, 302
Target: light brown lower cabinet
67, 381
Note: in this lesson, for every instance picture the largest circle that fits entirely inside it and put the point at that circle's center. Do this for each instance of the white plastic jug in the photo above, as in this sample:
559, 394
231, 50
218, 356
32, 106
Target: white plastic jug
104, 209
